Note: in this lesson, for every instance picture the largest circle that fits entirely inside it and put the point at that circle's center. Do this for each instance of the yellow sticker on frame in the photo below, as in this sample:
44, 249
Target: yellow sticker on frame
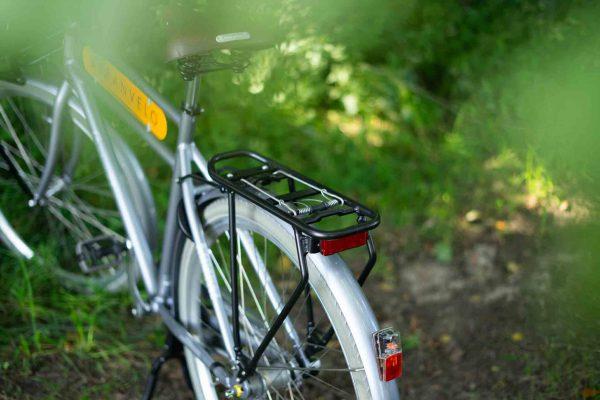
114, 81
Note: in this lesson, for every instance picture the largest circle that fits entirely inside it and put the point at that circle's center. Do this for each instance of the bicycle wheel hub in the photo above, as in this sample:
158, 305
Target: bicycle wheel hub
256, 386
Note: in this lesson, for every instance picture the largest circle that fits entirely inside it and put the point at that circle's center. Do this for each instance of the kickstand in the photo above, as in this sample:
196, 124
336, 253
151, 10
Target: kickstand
173, 349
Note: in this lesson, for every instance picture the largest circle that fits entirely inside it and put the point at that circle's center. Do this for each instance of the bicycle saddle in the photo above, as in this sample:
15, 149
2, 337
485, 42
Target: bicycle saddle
200, 43
223, 25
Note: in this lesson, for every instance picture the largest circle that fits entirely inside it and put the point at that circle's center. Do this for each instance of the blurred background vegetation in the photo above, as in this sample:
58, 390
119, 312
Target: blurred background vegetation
456, 119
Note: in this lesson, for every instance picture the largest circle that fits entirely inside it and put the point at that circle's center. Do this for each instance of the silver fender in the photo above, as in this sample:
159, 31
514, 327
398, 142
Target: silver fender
358, 316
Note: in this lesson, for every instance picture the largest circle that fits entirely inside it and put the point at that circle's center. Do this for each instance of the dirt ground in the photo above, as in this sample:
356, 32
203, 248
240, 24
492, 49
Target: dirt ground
467, 327
466, 324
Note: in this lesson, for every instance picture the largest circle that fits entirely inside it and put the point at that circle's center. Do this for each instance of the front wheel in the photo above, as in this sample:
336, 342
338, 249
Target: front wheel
343, 369
79, 204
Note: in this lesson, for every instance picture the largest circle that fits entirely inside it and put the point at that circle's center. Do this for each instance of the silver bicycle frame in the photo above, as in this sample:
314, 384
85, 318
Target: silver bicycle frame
157, 283
79, 91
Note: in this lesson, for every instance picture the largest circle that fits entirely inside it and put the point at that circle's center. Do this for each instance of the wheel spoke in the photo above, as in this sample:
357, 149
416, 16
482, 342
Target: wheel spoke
11, 130
87, 178
81, 216
92, 189
92, 210
298, 390
223, 259
66, 222
301, 369
27, 128
36, 165
329, 385
220, 271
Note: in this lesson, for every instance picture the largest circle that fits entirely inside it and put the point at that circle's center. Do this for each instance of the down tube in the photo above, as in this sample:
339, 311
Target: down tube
133, 225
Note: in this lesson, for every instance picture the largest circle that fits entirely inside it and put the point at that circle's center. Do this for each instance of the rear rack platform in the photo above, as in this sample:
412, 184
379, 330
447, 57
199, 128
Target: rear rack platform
311, 207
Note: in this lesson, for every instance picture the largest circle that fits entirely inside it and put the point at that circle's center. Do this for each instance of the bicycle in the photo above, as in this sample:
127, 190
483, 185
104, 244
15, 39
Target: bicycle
256, 299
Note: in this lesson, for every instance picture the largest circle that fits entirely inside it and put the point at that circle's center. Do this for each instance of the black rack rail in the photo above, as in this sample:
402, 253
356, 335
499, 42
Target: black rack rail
253, 183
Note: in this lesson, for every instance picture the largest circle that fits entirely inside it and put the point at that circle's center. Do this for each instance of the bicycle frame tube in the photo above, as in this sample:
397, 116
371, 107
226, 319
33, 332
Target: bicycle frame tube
173, 114
133, 226
187, 124
159, 148
12, 239
181, 120
202, 250
183, 164
55, 139
139, 243
182, 189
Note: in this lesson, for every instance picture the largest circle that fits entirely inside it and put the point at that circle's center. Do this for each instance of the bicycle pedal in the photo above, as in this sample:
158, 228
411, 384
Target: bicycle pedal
100, 253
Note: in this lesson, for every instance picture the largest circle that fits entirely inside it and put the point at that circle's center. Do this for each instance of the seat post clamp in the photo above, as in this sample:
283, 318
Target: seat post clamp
192, 111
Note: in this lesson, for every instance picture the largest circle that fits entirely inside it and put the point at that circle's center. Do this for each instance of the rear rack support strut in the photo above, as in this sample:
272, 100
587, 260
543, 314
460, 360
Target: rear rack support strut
247, 368
251, 367
234, 271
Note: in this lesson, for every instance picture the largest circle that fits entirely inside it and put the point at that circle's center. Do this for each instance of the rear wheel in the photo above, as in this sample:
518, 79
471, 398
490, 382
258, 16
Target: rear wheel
79, 205
343, 369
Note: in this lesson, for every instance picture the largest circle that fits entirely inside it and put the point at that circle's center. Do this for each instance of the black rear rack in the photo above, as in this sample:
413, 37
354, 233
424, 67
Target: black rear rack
307, 206
304, 204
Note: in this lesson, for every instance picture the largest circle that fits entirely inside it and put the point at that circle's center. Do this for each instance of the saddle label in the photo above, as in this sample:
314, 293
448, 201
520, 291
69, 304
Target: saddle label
116, 83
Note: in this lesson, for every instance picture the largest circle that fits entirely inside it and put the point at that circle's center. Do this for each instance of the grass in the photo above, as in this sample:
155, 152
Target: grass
50, 336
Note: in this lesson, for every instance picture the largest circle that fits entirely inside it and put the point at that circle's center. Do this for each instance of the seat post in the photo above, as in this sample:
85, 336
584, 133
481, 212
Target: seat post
190, 110
186, 128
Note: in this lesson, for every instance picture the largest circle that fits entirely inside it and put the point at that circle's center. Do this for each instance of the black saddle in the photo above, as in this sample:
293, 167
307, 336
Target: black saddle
204, 43
225, 28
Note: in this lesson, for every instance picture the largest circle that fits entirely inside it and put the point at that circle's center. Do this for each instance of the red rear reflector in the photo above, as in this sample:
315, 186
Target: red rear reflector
393, 367
333, 246
389, 354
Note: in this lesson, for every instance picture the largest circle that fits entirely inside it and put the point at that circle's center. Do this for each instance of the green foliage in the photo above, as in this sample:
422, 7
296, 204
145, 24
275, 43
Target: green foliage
422, 109
543, 107
365, 95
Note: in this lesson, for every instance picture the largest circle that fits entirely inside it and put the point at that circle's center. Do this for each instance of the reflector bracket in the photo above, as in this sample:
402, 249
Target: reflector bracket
389, 354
